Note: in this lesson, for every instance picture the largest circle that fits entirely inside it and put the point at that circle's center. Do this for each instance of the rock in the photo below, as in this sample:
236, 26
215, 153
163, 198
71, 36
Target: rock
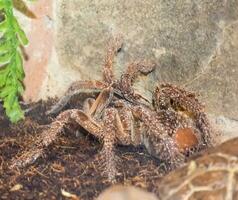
194, 43
212, 176
226, 127
120, 192
217, 82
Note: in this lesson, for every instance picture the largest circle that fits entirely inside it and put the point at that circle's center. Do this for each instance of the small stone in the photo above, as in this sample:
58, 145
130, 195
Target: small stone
120, 192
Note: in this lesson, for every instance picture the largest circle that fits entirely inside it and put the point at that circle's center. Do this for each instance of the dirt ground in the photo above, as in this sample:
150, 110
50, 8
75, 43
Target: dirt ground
70, 164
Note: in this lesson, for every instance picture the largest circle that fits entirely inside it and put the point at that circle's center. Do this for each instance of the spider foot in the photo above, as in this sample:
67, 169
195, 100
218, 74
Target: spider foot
26, 158
115, 44
107, 160
109, 139
32, 153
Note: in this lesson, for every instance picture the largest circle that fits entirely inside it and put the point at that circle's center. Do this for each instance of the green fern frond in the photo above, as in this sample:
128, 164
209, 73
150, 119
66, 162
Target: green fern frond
11, 65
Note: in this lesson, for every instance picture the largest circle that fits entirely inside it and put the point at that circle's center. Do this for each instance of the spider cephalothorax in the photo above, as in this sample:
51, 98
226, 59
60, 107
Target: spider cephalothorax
170, 127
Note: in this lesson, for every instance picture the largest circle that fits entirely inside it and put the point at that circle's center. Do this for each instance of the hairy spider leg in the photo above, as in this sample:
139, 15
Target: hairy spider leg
104, 131
56, 127
128, 77
128, 130
101, 103
82, 85
75, 89
117, 127
115, 44
36, 150
87, 104
50, 135
109, 139
123, 89
156, 139
108, 131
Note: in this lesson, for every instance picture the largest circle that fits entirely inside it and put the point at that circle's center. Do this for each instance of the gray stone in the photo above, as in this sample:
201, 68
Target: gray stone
195, 43
225, 127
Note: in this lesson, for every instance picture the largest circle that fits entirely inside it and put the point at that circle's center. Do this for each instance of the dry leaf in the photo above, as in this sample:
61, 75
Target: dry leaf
22, 7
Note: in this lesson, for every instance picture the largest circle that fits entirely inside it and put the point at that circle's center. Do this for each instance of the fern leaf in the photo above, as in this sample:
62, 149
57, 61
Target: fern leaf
5, 46
11, 65
20, 33
4, 26
5, 58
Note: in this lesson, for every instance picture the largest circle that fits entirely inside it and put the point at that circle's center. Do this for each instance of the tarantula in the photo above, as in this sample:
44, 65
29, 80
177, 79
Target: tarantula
170, 127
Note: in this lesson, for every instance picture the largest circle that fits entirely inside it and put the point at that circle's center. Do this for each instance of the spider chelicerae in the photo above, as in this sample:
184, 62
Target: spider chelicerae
171, 127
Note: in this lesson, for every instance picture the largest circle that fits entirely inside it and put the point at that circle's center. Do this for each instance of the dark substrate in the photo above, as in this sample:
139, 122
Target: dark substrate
69, 164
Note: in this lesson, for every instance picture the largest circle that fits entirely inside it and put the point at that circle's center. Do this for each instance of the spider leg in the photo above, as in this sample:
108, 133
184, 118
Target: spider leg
75, 89
87, 104
109, 140
106, 131
50, 135
128, 77
156, 138
45, 139
110, 131
127, 128
170, 97
101, 102
114, 46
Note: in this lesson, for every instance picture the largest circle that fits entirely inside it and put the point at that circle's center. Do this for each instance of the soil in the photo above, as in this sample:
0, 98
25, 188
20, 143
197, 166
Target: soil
69, 164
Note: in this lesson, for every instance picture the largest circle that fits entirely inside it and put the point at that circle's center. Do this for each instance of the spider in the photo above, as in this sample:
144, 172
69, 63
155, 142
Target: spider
171, 127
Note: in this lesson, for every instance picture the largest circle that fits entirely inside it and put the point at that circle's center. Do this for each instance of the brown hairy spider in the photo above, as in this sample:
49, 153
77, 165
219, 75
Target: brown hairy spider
172, 127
